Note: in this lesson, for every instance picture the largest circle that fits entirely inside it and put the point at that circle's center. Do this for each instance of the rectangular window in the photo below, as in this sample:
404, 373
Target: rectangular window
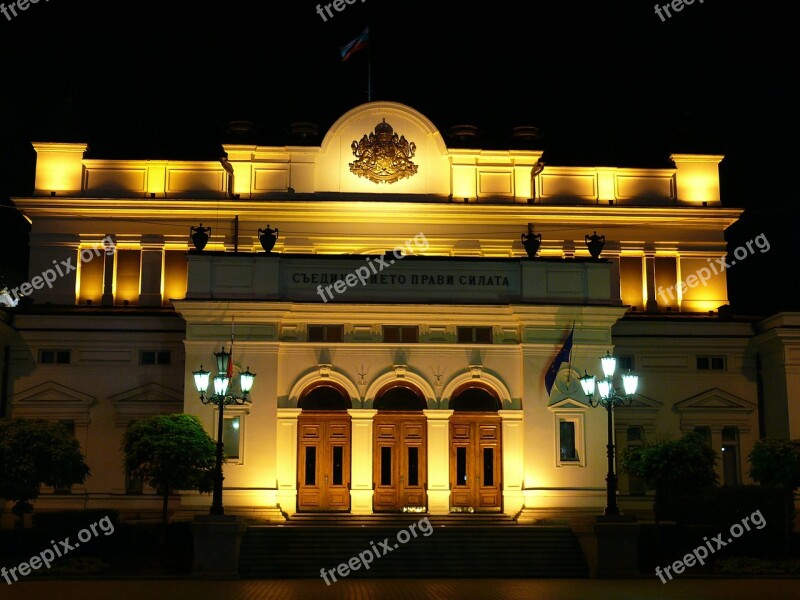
54, 357
570, 447
730, 456
155, 357
635, 439
413, 465
625, 363
395, 334
386, 465
311, 465
474, 335
488, 466
711, 363
705, 432
326, 333
569, 451
461, 465
69, 424
231, 436
338, 465
133, 485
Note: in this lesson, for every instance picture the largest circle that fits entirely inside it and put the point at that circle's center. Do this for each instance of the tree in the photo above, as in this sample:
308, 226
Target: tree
672, 466
34, 452
170, 452
775, 462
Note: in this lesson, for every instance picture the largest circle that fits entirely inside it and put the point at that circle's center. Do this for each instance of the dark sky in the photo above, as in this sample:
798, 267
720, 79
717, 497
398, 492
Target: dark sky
608, 83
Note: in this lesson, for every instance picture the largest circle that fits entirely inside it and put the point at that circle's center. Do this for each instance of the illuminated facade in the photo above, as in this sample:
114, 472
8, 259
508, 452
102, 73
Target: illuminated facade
417, 383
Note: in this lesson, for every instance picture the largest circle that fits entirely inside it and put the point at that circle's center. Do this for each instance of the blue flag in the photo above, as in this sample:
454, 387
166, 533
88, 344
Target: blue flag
563, 354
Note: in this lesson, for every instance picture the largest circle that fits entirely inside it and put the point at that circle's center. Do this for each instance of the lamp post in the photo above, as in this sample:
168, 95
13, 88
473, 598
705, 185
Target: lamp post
221, 398
609, 399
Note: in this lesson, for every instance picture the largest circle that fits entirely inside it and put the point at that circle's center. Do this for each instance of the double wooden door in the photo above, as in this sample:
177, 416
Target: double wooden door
399, 461
323, 461
475, 461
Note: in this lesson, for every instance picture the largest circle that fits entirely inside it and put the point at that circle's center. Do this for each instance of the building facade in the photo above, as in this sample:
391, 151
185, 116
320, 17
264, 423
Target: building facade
399, 332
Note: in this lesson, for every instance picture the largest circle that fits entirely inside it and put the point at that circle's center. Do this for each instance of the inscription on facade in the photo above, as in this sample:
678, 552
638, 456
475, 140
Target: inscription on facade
401, 279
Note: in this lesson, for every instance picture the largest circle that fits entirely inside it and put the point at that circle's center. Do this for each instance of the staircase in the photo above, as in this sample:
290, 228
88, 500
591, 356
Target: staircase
468, 545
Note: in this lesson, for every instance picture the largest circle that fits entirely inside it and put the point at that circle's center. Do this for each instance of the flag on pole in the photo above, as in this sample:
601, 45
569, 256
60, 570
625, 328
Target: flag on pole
564, 354
357, 44
230, 358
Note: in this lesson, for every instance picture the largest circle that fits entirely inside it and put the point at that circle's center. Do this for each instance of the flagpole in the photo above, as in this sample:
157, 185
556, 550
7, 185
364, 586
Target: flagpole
230, 358
569, 368
369, 73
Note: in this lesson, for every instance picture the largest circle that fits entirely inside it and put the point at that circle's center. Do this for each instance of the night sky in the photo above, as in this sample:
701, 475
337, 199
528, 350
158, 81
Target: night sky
607, 83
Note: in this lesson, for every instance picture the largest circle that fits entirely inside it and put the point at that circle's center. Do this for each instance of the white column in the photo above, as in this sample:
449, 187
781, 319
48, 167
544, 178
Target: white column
152, 270
438, 461
716, 445
108, 274
361, 460
286, 453
650, 281
513, 472
53, 258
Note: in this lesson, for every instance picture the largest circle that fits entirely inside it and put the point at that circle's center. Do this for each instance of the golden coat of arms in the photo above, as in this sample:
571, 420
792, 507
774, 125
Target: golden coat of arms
383, 156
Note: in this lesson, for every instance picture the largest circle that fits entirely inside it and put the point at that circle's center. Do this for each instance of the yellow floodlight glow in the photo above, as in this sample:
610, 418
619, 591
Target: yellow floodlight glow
697, 177
59, 167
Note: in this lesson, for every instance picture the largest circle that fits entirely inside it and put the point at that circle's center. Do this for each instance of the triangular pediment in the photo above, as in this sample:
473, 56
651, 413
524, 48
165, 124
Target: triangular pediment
52, 401
568, 403
144, 402
150, 392
49, 393
713, 400
642, 402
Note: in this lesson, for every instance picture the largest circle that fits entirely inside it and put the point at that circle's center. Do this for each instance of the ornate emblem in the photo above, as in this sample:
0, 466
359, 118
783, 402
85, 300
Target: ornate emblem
383, 156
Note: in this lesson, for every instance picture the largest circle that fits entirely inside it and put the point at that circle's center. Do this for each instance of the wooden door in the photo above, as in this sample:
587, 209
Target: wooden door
399, 461
475, 462
323, 461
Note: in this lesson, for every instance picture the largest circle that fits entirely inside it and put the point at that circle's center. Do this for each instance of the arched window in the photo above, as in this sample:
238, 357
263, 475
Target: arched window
326, 396
475, 398
399, 397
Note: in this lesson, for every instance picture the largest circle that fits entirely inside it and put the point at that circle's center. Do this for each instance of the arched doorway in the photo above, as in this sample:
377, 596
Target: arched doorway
399, 449
323, 457
475, 450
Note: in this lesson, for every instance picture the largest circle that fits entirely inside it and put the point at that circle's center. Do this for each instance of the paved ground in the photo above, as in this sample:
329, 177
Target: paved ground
407, 589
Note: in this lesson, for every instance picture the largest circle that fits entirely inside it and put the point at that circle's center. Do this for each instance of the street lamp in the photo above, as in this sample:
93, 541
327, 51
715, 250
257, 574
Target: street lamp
610, 400
221, 398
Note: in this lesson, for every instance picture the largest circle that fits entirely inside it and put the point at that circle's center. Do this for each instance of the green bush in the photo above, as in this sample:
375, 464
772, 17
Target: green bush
719, 508
723, 506
131, 550
776, 462
746, 565
72, 520
78, 565
672, 468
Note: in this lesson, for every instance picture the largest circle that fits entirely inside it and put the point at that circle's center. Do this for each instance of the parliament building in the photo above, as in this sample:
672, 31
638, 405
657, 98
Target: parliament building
400, 303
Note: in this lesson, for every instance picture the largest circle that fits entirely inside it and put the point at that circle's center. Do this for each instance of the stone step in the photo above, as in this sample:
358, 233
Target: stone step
449, 551
397, 519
